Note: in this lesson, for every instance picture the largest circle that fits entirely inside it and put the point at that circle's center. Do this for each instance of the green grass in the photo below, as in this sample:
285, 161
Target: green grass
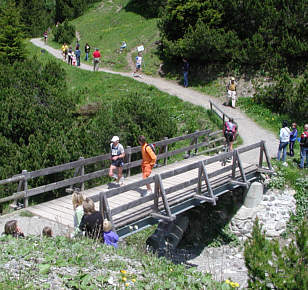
86, 264
107, 24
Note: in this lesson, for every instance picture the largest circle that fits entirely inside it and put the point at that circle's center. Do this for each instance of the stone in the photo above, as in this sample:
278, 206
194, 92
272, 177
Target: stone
244, 213
254, 195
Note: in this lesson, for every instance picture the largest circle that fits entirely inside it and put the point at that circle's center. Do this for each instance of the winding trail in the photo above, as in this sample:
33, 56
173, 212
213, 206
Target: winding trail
248, 129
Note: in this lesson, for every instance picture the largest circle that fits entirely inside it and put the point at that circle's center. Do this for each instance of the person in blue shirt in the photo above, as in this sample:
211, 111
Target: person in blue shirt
293, 136
77, 54
110, 237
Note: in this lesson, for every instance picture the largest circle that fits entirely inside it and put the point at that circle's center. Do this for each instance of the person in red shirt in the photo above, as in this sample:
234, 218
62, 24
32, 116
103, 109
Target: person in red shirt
97, 59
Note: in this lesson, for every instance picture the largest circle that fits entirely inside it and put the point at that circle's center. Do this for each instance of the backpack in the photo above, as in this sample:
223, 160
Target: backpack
304, 139
229, 129
152, 146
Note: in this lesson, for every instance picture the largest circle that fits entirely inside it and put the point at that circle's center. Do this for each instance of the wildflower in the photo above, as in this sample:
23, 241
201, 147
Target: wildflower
124, 279
136, 227
232, 284
171, 270
133, 280
228, 281
123, 271
273, 119
126, 284
237, 285
131, 228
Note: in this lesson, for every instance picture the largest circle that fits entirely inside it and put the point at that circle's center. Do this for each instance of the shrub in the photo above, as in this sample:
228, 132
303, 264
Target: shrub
271, 266
64, 33
285, 96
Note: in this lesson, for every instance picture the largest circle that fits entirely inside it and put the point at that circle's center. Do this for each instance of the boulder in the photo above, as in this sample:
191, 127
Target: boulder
254, 195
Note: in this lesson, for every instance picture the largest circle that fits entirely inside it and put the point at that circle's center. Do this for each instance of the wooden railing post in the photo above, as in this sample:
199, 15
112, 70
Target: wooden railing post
223, 119
199, 177
234, 159
156, 193
101, 205
129, 158
261, 155
196, 142
82, 174
211, 106
166, 151
268, 160
26, 198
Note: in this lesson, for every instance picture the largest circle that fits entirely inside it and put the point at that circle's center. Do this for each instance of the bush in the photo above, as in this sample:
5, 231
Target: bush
249, 33
271, 266
64, 33
285, 96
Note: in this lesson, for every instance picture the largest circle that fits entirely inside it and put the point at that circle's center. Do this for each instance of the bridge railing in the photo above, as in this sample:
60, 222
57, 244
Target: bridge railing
221, 114
160, 191
199, 139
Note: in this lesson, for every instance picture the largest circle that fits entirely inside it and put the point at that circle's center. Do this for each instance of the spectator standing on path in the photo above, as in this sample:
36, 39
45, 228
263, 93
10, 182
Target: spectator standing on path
97, 59
64, 49
70, 56
284, 138
92, 221
148, 161
45, 36
87, 49
293, 137
117, 160
110, 237
230, 131
304, 147
78, 54
231, 92
77, 45
185, 72
11, 228
138, 65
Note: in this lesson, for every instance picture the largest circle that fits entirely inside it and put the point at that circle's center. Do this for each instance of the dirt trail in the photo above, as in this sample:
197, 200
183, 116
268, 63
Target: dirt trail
248, 129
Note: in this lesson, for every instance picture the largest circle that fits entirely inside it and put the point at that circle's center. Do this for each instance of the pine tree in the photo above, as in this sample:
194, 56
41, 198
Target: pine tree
11, 36
271, 266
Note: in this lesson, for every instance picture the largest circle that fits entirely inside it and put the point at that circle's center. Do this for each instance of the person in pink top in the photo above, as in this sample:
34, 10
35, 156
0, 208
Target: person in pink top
97, 59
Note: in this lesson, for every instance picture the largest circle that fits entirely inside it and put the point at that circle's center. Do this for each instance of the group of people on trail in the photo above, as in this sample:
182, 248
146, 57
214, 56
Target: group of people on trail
71, 56
287, 138
117, 160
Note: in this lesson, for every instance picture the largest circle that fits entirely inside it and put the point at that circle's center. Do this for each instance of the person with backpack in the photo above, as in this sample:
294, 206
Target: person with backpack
117, 159
304, 147
148, 161
230, 131
284, 137
293, 137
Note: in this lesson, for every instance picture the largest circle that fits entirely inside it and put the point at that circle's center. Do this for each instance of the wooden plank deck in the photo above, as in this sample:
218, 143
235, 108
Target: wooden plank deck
61, 210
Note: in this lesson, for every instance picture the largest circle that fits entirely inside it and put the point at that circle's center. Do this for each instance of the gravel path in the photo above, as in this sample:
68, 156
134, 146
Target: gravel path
249, 130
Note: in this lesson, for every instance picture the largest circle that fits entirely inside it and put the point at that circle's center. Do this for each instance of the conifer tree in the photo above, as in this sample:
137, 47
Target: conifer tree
11, 43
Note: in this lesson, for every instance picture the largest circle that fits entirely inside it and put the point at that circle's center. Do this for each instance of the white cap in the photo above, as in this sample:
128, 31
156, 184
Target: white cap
232, 78
115, 139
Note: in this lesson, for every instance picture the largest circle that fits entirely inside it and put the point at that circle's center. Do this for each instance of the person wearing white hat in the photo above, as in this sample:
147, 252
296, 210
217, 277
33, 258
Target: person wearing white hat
117, 159
231, 89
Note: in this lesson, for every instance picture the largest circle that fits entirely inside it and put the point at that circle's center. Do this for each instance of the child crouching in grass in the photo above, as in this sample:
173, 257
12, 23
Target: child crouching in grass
47, 232
110, 237
11, 228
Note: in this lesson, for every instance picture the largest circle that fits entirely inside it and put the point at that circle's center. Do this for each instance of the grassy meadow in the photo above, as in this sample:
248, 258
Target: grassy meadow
106, 24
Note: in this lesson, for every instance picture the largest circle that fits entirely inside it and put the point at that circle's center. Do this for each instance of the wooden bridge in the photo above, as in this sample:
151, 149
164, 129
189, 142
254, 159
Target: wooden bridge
177, 187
